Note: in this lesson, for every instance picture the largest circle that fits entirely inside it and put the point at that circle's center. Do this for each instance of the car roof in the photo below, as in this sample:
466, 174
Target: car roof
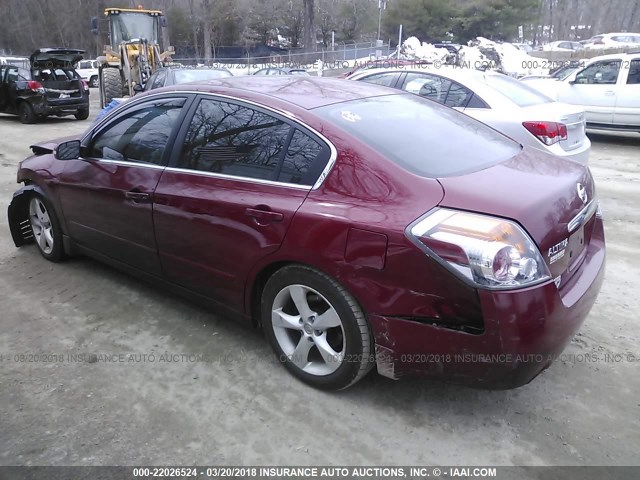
453, 73
303, 91
616, 56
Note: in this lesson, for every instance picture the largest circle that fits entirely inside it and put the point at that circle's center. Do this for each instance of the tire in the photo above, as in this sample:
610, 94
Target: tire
46, 228
322, 336
94, 81
112, 84
26, 113
81, 114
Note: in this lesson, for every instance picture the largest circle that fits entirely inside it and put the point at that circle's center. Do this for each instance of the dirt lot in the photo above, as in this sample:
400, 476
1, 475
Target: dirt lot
243, 408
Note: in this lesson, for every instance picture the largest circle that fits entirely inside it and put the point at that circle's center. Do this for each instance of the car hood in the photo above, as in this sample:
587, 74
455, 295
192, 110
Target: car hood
56, 57
538, 190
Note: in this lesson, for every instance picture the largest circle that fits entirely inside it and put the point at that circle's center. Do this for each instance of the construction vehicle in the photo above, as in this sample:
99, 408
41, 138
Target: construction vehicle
134, 51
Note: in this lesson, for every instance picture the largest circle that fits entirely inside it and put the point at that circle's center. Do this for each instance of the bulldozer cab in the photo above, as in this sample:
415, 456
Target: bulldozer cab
133, 26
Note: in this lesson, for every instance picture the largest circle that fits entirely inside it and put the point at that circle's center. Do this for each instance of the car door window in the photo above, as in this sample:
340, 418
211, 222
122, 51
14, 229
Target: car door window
139, 136
149, 84
158, 82
232, 139
384, 79
432, 87
634, 73
600, 73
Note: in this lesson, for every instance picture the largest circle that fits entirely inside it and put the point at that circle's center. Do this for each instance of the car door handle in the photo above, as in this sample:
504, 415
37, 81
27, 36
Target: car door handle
264, 216
609, 93
137, 196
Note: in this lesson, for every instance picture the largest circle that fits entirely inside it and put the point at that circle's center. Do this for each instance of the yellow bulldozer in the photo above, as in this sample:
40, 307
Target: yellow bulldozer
133, 54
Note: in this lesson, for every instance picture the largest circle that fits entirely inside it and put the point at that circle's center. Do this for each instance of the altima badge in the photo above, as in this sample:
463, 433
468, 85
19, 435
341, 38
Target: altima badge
582, 193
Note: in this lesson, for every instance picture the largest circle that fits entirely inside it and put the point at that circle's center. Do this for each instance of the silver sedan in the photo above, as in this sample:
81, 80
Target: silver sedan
502, 102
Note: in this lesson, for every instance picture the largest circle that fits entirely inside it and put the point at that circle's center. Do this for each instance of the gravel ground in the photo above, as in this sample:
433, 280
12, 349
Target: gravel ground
243, 408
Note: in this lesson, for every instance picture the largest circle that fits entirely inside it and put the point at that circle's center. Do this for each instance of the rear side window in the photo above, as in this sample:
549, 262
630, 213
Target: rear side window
234, 140
422, 137
516, 91
432, 87
634, 73
298, 163
241, 141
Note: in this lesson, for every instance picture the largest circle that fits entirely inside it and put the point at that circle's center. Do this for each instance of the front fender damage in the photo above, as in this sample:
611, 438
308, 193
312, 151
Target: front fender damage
18, 215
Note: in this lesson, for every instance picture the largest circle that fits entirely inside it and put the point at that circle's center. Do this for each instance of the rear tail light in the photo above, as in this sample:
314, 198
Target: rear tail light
547, 132
487, 251
85, 84
35, 86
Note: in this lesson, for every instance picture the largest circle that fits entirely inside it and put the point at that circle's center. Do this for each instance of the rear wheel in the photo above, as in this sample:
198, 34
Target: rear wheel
46, 229
82, 114
112, 84
26, 113
316, 328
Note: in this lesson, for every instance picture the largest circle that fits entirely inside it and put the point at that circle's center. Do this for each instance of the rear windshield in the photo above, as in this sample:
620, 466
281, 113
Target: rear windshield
421, 136
184, 76
519, 93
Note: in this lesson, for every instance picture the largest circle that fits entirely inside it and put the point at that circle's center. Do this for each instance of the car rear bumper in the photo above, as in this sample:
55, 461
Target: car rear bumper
66, 107
580, 154
525, 330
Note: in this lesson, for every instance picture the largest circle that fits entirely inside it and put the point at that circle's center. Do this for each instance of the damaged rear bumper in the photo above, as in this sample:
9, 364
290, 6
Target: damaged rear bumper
525, 331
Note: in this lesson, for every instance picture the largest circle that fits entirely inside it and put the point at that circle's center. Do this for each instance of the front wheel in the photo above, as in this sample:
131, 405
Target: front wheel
94, 81
316, 328
46, 229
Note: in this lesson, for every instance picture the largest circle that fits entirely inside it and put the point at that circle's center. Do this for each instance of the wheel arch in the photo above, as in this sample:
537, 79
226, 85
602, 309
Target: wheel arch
18, 213
264, 272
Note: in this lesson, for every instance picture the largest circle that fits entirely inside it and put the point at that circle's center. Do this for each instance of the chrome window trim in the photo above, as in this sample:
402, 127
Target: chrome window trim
224, 176
333, 156
582, 216
125, 163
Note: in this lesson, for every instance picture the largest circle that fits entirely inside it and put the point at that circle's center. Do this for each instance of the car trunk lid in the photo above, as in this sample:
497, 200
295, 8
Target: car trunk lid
553, 199
55, 58
572, 116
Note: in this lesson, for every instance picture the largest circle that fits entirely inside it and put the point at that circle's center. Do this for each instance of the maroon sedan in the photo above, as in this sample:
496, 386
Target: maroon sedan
358, 226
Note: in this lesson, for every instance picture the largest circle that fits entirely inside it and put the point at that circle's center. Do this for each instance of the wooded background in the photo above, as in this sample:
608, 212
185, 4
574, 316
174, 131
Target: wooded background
199, 26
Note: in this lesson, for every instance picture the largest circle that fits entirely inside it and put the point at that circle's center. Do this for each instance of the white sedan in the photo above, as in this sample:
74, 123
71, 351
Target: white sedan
502, 102
607, 87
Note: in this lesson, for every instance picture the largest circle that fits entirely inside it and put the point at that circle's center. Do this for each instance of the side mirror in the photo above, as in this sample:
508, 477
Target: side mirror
68, 150
138, 88
163, 21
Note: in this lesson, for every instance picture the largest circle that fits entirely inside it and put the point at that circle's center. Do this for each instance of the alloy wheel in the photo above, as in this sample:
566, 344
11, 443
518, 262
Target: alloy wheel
41, 225
308, 329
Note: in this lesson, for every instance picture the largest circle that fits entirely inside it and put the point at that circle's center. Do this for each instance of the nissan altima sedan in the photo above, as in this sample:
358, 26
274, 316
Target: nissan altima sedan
358, 226
511, 107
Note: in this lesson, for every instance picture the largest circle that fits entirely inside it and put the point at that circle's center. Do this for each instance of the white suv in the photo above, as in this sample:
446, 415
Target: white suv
608, 87
88, 70
613, 40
